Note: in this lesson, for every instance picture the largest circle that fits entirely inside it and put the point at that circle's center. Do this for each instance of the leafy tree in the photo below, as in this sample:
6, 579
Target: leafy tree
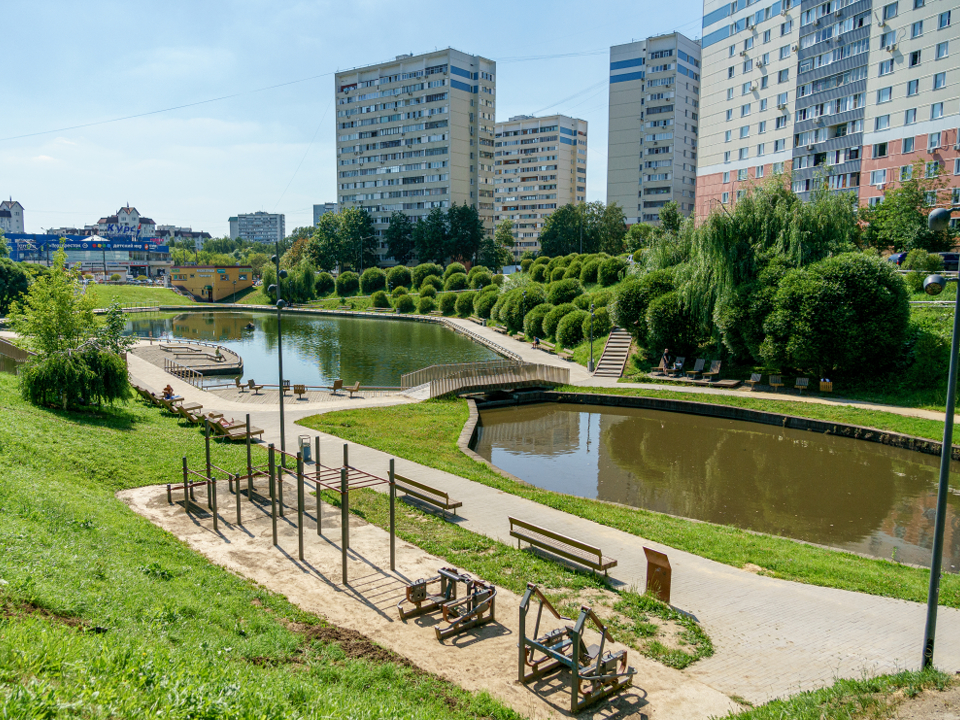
399, 237
110, 336
670, 218
639, 236
494, 252
4, 246
256, 261
326, 248
357, 238
299, 242
14, 282
466, 232
562, 231
431, 237
87, 375
605, 227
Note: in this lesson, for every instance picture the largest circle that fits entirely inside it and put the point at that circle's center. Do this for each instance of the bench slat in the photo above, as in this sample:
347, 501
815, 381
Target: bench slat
426, 493
561, 545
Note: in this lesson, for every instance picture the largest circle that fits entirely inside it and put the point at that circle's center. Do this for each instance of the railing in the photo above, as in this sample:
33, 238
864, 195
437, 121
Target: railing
477, 337
513, 376
439, 372
12, 351
183, 372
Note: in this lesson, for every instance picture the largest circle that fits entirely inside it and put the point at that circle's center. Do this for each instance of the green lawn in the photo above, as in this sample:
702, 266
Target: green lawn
135, 294
104, 615
427, 433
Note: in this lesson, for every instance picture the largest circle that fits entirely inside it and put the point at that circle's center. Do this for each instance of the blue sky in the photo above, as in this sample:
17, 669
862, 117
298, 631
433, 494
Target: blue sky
68, 64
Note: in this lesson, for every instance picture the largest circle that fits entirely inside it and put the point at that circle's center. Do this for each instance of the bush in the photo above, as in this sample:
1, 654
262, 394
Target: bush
483, 303
518, 302
448, 303
634, 297
542, 260
398, 291
557, 274
582, 302
573, 271
564, 291
457, 281
601, 323
538, 273
424, 270
405, 304
453, 269
477, 269
347, 283
115, 277
601, 298
399, 276
379, 299
922, 264
480, 280
533, 322
465, 303
324, 284
610, 270
554, 317
525, 264
589, 272
433, 281
928, 359
570, 329
638, 255
428, 291
671, 325
373, 279
557, 262
498, 279
89, 377
427, 305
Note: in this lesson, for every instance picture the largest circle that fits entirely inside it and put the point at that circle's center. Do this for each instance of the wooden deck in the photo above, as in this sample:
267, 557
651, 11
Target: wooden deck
202, 361
271, 396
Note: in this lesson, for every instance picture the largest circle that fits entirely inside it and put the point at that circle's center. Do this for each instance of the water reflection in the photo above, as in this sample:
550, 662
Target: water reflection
318, 350
835, 491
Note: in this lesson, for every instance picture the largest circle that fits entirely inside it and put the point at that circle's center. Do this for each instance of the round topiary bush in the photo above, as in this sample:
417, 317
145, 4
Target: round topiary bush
610, 270
464, 304
399, 276
427, 305
557, 262
324, 284
483, 303
601, 298
453, 269
457, 281
601, 323
448, 303
424, 270
589, 272
431, 281
634, 297
498, 279
570, 329
542, 260
480, 279
398, 291
554, 317
405, 304
525, 264
380, 300
477, 269
563, 291
373, 279
347, 283
533, 322
538, 273
582, 302
115, 277
518, 302
670, 324
573, 270
557, 274
428, 291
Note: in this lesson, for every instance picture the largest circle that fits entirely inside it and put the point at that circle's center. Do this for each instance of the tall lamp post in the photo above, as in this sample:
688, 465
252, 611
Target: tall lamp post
590, 364
234, 298
938, 220
281, 304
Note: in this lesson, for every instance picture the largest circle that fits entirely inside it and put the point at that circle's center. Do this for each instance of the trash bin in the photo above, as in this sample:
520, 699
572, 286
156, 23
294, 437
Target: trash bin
658, 575
304, 443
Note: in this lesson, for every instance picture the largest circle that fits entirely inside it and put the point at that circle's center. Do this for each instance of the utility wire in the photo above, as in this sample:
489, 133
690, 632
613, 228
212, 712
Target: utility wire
322, 118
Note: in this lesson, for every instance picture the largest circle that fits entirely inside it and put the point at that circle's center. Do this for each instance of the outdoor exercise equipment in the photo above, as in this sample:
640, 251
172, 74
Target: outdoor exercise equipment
476, 607
594, 674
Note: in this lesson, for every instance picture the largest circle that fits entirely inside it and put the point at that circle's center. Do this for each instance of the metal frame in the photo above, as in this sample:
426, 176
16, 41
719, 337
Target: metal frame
477, 606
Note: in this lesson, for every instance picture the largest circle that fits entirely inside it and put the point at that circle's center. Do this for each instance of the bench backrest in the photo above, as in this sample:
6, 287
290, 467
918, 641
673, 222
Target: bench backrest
803, 382
300, 389
775, 380
698, 365
715, 366
337, 384
420, 486
556, 536
678, 363
755, 377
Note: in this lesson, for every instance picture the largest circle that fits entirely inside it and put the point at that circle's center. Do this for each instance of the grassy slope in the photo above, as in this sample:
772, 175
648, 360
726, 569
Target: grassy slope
427, 433
183, 638
131, 294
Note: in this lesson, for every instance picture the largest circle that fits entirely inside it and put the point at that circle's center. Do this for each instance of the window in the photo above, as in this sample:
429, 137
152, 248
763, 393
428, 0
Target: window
733, 50
787, 27
760, 149
784, 52
782, 98
874, 201
906, 172
913, 87
745, 89
744, 153
880, 150
742, 175
779, 146
729, 93
727, 135
914, 58
932, 169
944, 20
783, 76
936, 111
764, 81
762, 127
878, 176
744, 132
730, 71
747, 65
943, 49
744, 110
763, 105
726, 177
917, 4
766, 58
748, 44
933, 141
939, 80
759, 172
886, 67
766, 36
725, 198
884, 95
780, 122
887, 39
881, 123
910, 116
730, 114
890, 11
956, 196
956, 166
726, 156
916, 30
908, 145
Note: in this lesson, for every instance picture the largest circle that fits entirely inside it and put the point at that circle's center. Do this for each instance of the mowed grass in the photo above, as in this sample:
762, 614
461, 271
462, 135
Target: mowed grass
427, 433
104, 615
135, 294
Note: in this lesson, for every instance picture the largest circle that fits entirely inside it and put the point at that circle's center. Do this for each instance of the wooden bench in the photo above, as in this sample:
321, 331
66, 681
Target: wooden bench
754, 380
382, 310
498, 329
477, 320
561, 545
300, 391
427, 494
775, 382
802, 384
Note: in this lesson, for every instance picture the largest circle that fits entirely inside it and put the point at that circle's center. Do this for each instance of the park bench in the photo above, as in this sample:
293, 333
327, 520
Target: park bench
382, 310
477, 320
300, 391
547, 346
565, 355
775, 382
427, 494
714, 372
566, 547
697, 368
677, 368
337, 385
498, 329
354, 389
240, 386
754, 380
802, 384
344, 307
253, 386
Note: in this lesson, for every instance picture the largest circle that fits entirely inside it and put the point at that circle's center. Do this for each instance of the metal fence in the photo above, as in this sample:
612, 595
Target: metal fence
183, 372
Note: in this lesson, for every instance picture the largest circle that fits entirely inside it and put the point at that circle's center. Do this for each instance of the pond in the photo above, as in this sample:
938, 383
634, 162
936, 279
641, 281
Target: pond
841, 492
319, 349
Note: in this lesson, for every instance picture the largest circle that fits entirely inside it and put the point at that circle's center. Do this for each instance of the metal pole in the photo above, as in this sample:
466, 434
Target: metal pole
283, 441
346, 455
590, 366
249, 465
239, 498
300, 503
273, 490
186, 493
316, 467
206, 431
393, 519
946, 454
344, 522
213, 484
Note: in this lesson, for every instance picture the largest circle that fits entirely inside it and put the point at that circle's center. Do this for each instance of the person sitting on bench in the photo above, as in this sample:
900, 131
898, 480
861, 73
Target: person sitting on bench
168, 394
536, 341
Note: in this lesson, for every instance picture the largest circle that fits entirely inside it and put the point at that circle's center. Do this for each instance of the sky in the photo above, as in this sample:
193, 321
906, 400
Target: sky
234, 100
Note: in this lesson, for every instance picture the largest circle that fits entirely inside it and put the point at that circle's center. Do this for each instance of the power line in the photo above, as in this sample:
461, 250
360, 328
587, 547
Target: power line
322, 118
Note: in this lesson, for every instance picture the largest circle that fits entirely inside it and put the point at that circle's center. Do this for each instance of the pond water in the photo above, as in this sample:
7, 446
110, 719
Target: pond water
319, 349
845, 493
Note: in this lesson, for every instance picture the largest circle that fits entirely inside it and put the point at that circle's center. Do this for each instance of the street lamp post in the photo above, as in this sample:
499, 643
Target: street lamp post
233, 299
281, 304
938, 220
590, 364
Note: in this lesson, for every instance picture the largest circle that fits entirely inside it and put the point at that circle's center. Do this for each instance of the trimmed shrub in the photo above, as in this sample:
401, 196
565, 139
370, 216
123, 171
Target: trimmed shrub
610, 270
601, 323
399, 276
453, 269
424, 270
601, 298
457, 281
542, 260
638, 255
477, 269
464, 304
373, 279
573, 271
533, 322
431, 281
557, 262
582, 302
557, 274
538, 273
554, 317
563, 291
634, 297
405, 304
525, 264
324, 284
347, 283
428, 291
518, 302
483, 303
492, 287
480, 280
398, 291
570, 329
498, 279
671, 325
448, 303
427, 305
379, 299
115, 277
589, 272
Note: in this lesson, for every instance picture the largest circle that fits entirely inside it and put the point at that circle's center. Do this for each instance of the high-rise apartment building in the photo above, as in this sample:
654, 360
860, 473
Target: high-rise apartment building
541, 164
11, 216
654, 125
258, 226
416, 134
320, 210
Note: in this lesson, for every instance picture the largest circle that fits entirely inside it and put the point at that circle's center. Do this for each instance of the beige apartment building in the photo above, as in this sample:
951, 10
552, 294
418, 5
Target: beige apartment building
416, 134
541, 164
654, 126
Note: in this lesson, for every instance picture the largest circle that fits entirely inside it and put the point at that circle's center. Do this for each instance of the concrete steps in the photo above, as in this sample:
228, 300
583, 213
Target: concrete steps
615, 354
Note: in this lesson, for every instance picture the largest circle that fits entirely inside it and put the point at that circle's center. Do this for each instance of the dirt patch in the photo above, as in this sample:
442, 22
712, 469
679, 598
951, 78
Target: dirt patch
930, 705
755, 569
355, 645
25, 609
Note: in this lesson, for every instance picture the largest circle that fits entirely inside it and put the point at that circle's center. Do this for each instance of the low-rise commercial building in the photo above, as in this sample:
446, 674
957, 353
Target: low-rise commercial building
95, 254
211, 282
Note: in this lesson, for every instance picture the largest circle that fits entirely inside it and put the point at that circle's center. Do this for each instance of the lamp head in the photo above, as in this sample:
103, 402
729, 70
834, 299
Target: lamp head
272, 289
934, 284
939, 220
274, 258
281, 304
283, 274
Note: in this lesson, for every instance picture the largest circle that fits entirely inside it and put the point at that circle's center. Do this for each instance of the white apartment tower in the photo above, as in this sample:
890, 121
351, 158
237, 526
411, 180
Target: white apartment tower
258, 226
11, 216
541, 164
654, 125
416, 134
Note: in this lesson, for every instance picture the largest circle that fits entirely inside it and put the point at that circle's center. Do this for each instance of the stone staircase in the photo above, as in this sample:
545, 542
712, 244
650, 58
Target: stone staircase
615, 354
